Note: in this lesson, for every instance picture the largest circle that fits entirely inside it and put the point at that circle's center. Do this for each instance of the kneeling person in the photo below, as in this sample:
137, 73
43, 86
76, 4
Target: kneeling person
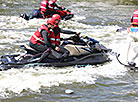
44, 39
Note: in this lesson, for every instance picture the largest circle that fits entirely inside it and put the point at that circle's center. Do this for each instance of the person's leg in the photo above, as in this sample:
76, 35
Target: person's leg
39, 48
47, 14
65, 52
44, 55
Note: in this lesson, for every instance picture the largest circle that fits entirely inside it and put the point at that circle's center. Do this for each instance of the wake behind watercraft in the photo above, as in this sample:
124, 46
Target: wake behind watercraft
83, 51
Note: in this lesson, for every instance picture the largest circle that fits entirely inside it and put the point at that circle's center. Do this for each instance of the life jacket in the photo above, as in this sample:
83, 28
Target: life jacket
132, 29
135, 17
55, 40
44, 3
37, 38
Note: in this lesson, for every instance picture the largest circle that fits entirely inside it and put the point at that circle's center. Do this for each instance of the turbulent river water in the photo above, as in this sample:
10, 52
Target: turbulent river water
99, 19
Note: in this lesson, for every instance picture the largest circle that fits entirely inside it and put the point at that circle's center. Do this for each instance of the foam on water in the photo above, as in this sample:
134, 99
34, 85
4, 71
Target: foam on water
15, 81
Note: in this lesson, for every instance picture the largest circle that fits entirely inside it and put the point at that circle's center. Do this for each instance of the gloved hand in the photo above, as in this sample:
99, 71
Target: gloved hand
57, 49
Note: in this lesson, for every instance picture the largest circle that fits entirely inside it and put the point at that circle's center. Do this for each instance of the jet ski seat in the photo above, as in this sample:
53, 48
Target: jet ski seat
76, 50
29, 49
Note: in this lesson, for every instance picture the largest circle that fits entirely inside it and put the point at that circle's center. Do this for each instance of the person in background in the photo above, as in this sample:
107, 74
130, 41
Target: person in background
46, 10
50, 7
54, 8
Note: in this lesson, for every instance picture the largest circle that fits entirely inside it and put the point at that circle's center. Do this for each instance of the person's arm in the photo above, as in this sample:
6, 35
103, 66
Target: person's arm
47, 5
67, 31
131, 20
47, 42
55, 5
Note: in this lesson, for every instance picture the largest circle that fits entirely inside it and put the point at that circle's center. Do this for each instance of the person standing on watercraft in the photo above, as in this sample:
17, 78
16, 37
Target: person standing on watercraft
134, 22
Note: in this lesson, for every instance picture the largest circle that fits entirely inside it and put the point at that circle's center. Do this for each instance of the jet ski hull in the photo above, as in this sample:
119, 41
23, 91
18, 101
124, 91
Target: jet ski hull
91, 59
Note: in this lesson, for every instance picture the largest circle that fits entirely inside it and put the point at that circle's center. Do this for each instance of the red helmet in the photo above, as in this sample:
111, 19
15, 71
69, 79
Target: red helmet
56, 16
51, 21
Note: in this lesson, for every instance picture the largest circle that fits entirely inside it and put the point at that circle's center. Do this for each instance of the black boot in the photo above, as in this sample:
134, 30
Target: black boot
24, 16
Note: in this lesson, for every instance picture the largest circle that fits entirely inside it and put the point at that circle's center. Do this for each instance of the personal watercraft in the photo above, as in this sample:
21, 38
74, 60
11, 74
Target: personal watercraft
37, 14
83, 51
